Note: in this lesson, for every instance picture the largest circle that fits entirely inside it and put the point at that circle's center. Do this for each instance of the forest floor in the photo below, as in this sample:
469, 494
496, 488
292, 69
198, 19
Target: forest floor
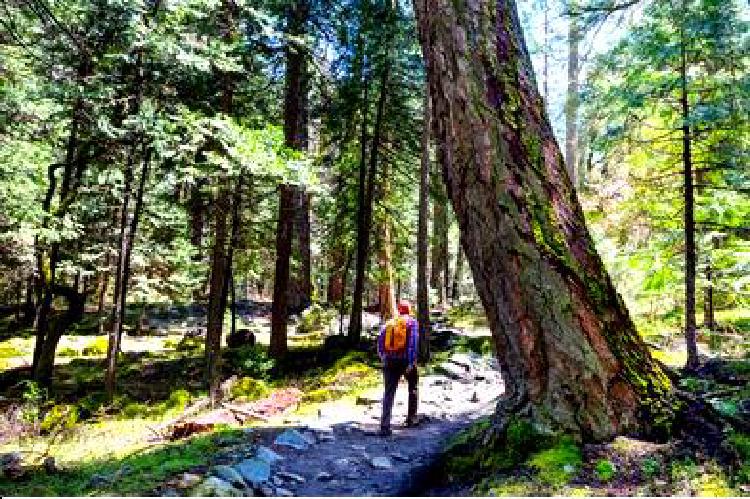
162, 440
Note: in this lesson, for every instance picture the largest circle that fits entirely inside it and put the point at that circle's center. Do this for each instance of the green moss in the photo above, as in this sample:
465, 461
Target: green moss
171, 343
68, 352
59, 417
605, 470
478, 450
190, 344
96, 347
8, 351
558, 464
247, 388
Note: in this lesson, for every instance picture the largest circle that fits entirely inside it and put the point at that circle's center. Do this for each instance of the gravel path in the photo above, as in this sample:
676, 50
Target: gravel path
338, 453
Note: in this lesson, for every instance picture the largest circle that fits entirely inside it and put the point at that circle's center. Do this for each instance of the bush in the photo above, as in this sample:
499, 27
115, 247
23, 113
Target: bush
651, 467
96, 347
190, 344
604, 470
171, 343
59, 417
249, 389
251, 360
315, 318
68, 352
178, 399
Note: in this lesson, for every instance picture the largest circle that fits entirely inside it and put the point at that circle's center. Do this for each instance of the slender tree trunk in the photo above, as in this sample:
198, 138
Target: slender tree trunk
687, 164
355, 320
571, 357
292, 207
458, 275
571, 101
438, 276
278, 345
220, 254
47, 338
386, 295
423, 296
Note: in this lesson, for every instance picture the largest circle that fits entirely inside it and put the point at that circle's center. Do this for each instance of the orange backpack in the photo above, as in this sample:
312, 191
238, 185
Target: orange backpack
396, 336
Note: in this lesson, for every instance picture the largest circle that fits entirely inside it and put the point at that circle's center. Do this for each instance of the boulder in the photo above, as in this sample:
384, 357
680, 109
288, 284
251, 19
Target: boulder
381, 462
254, 471
229, 474
293, 439
265, 454
216, 487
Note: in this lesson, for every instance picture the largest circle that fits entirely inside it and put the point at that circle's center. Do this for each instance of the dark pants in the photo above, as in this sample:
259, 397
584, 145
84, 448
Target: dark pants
393, 369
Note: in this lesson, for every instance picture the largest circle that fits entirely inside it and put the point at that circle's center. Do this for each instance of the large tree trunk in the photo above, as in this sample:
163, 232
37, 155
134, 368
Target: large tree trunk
571, 358
300, 285
423, 293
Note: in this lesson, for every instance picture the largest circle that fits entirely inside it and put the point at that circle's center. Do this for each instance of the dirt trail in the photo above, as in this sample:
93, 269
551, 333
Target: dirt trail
338, 453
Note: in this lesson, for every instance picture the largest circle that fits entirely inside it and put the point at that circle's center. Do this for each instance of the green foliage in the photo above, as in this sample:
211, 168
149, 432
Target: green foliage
96, 347
315, 318
68, 352
605, 470
247, 388
59, 417
191, 344
651, 466
252, 361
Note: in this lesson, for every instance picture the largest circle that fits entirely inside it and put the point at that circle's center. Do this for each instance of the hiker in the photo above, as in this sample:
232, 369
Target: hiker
397, 347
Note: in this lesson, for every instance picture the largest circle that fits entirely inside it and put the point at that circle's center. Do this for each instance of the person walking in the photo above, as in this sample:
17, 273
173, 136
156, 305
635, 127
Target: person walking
398, 344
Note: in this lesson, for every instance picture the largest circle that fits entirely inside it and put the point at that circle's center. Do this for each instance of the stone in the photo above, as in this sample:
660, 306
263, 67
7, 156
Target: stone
266, 491
293, 439
324, 476
286, 475
216, 487
358, 447
569, 468
229, 474
99, 480
10, 465
660, 483
343, 462
265, 454
187, 481
326, 437
399, 457
381, 462
255, 471
282, 492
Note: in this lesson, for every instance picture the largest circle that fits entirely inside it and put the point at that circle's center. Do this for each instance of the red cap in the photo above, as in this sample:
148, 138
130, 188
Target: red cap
404, 307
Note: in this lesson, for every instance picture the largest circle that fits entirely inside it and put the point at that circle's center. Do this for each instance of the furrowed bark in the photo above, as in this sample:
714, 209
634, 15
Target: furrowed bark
571, 357
423, 297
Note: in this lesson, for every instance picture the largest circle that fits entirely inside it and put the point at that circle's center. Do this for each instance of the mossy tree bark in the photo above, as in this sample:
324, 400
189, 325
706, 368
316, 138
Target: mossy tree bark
571, 357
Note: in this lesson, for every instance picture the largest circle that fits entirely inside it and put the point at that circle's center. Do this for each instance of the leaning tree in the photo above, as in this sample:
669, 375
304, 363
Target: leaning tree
571, 357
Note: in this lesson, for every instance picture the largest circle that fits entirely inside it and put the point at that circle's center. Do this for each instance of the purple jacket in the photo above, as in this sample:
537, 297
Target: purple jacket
412, 329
